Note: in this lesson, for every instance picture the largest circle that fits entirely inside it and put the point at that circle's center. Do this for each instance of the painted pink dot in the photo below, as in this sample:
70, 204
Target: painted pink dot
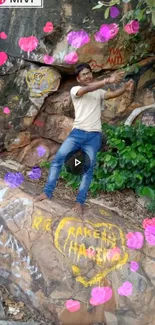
113, 253
48, 28
3, 58
100, 295
132, 27
3, 35
148, 222
125, 289
72, 305
6, 110
135, 241
28, 44
48, 59
71, 58
90, 252
103, 35
78, 38
134, 266
129, 235
150, 234
114, 12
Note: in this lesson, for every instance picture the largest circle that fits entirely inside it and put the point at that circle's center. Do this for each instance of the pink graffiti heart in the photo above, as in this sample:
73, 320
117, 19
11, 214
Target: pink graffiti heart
48, 28
132, 27
135, 240
100, 295
150, 235
3, 58
6, 110
48, 59
148, 222
134, 266
71, 58
3, 35
125, 289
28, 44
72, 305
78, 39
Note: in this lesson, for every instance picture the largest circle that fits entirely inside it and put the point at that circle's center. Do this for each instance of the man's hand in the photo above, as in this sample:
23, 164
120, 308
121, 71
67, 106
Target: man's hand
129, 85
116, 77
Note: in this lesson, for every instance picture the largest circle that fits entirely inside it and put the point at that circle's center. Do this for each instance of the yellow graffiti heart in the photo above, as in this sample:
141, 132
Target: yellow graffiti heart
96, 242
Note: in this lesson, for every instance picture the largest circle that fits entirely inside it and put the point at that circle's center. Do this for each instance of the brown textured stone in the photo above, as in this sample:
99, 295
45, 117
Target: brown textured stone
18, 141
29, 155
58, 127
59, 103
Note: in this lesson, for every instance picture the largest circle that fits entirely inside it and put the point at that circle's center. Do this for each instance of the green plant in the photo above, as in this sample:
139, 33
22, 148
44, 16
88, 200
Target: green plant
150, 194
143, 9
128, 163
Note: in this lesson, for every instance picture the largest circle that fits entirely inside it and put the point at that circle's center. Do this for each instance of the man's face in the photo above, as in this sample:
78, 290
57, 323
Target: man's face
85, 77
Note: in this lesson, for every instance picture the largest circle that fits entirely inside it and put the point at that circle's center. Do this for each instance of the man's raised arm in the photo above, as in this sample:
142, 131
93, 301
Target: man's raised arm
115, 78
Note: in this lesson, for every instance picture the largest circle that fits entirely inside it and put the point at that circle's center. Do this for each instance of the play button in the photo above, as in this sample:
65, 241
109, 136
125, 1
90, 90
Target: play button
77, 163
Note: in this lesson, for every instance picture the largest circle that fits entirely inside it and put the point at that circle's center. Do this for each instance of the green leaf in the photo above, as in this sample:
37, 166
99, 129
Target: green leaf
148, 192
100, 5
119, 180
106, 13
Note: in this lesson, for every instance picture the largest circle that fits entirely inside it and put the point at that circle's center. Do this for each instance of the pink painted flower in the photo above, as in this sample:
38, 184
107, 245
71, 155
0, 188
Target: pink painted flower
135, 240
132, 27
6, 110
113, 254
134, 266
148, 222
78, 39
3, 58
114, 12
28, 44
48, 28
125, 289
106, 32
3, 35
150, 234
71, 58
100, 295
72, 305
48, 59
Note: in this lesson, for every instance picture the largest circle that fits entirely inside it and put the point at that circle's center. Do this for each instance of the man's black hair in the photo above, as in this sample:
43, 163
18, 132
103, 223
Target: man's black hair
80, 67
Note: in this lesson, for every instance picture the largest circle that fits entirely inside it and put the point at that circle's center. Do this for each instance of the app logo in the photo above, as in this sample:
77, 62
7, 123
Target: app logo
21, 3
2, 1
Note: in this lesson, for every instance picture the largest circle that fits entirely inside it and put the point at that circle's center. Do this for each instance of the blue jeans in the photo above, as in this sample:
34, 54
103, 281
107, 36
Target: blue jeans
89, 143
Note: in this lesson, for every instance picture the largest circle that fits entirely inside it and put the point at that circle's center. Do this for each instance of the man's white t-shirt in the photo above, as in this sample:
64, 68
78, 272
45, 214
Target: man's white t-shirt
88, 109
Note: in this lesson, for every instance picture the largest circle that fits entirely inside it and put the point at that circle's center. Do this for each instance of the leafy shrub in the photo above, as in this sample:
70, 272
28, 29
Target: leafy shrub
150, 194
128, 163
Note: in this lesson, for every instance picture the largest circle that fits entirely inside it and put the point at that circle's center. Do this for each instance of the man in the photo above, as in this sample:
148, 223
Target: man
86, 134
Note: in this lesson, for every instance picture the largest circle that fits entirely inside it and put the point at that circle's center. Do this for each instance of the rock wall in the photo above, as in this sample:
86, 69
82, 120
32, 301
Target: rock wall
37, 46
95, 270
30, 116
